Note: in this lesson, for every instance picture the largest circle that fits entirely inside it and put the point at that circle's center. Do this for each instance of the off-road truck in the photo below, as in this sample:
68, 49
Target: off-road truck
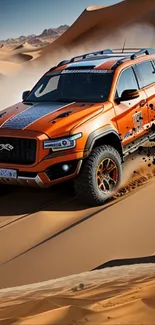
80, 121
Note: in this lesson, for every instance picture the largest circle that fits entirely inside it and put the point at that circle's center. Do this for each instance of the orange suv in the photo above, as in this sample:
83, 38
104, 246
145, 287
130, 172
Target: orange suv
80, 121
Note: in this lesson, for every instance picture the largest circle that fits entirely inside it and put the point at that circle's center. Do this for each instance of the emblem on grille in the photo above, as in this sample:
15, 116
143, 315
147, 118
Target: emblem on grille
6, 146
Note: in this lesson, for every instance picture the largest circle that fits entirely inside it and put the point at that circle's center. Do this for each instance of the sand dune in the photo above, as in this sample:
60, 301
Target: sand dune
107, 24
25, 46
4, 48
11, 61
123, 295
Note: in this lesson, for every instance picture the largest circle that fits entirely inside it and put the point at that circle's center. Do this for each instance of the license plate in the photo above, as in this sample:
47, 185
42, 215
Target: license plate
8, 173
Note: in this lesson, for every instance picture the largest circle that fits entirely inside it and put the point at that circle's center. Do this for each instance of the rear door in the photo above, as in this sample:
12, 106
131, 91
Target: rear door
146, 76
132, 115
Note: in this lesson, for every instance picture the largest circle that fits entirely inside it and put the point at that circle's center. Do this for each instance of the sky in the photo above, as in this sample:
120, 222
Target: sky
24, 17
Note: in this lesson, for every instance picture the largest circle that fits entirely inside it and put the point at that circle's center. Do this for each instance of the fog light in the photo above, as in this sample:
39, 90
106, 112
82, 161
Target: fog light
65, 167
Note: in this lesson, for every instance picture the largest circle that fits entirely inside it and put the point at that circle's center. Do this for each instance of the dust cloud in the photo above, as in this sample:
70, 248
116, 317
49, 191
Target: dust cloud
12, 86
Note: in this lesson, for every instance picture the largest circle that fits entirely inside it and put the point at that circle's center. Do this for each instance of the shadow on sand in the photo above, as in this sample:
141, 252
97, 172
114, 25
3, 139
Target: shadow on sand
19, 201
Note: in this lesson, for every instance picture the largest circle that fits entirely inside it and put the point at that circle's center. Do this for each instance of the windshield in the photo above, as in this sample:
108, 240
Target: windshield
73, 86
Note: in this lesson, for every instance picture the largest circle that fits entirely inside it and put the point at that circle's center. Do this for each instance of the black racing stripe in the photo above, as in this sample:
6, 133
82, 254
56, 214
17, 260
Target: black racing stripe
32, 114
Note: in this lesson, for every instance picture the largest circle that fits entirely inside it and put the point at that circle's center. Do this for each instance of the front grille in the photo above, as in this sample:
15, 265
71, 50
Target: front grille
17, 150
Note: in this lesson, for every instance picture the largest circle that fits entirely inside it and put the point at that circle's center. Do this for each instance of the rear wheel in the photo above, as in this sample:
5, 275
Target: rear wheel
100, 176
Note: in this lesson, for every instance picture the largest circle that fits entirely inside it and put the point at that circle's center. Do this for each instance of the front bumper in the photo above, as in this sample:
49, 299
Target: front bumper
47, 168
46, 178
51, 175
24, 181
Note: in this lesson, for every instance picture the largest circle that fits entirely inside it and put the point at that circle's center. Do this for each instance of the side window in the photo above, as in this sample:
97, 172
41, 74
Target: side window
146, 73
126, 81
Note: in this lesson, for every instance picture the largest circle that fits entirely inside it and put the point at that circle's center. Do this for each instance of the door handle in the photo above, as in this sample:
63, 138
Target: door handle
142, 103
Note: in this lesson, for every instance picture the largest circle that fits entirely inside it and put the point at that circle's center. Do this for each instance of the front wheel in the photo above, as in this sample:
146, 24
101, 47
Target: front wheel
100, 176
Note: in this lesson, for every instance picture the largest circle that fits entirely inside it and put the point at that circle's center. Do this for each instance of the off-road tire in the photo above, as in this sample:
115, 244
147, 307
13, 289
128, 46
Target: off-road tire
85, 184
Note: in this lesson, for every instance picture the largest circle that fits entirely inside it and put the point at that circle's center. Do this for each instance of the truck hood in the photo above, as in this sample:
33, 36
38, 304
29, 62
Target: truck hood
53, 119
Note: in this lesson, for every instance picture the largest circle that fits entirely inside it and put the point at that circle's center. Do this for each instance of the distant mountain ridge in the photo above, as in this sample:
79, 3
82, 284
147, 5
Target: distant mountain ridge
54, 31
48, 35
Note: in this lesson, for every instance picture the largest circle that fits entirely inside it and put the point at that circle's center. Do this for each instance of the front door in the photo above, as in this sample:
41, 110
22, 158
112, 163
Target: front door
131, 116
146, 76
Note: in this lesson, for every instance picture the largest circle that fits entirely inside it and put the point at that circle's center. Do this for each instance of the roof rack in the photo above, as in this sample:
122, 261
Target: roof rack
147, 51
83, 56
131, 53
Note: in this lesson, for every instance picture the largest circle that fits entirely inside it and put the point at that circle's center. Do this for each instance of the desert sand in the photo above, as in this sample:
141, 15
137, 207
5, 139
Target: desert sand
123, 295
11, 60
53, 236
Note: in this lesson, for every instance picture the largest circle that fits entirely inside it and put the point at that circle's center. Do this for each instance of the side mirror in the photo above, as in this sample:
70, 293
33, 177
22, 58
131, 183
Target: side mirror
129, 94
25, 94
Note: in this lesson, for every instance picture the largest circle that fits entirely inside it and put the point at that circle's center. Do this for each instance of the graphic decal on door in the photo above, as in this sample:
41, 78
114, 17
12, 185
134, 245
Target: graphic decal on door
138, 122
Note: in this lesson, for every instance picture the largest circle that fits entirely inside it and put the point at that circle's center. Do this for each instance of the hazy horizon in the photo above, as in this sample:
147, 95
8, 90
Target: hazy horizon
19, 17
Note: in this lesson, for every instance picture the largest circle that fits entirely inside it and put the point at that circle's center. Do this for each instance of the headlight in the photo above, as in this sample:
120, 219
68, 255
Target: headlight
62, 143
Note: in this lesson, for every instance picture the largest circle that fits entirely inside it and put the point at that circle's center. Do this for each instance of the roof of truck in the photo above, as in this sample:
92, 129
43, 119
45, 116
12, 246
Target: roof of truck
107, 59
103, 62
